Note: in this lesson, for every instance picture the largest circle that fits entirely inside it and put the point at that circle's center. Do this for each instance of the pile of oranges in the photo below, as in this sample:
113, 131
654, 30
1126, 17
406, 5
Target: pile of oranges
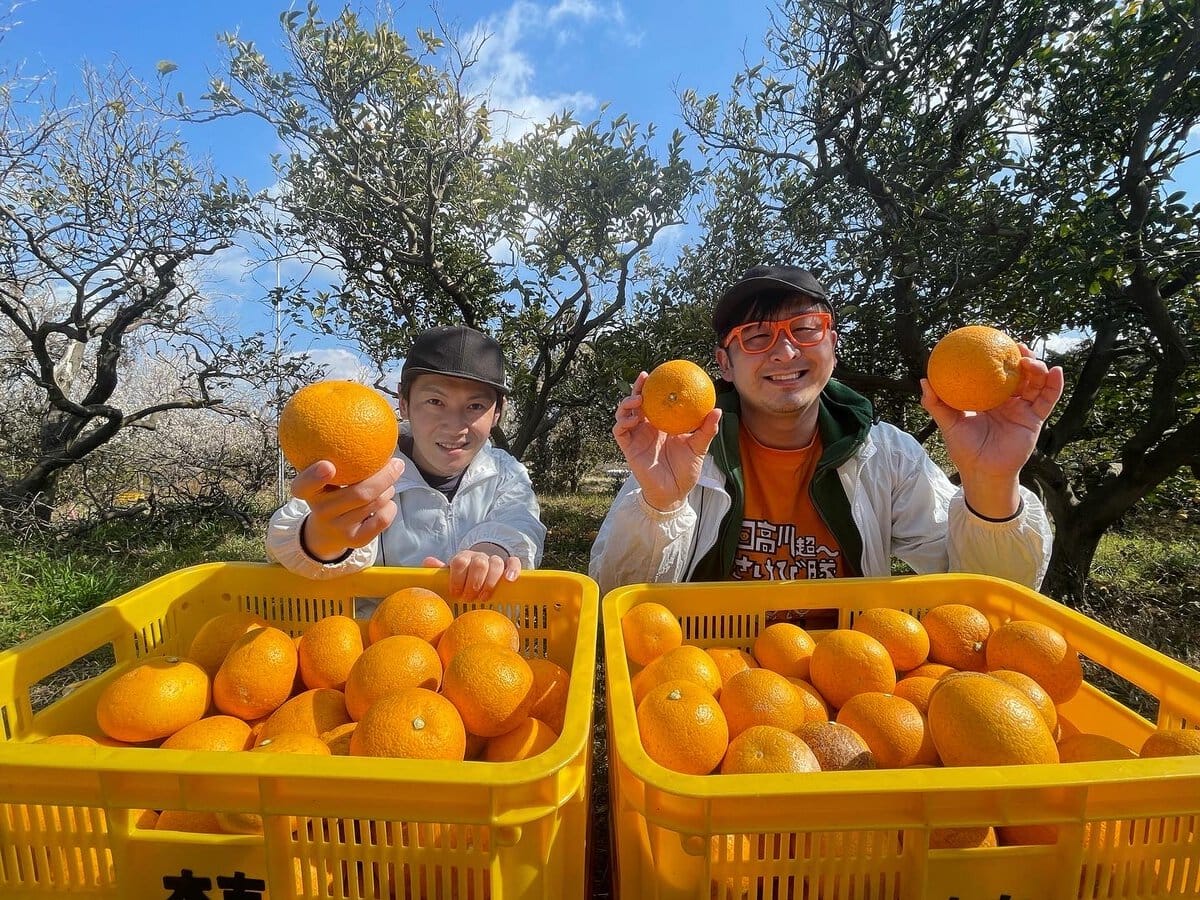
890, 692
412, 682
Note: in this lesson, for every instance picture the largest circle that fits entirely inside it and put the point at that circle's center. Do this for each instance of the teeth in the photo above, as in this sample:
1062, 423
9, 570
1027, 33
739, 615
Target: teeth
790, 376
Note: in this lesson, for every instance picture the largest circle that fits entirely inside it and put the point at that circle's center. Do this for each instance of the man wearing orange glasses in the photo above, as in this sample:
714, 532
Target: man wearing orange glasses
790, 476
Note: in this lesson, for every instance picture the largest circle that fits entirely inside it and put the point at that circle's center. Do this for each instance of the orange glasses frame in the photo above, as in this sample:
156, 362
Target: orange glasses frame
779, 327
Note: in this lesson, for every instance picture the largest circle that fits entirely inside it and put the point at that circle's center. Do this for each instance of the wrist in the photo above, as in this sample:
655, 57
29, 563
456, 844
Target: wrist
323, 551
993, 499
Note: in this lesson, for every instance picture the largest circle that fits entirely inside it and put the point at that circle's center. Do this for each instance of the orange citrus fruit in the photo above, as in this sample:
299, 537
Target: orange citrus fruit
528, 739
69, 740
349, 424
975, 368
958, 636
846, 662
257, 675
650, 630
683, 728
764, 750
1037, 650
916, 690
393, 664
1034, 692
153, 700
214, 638
311, 712
815, 707
211, 733
1172, 742
491, 686
411, 724
411, 610
730, 661
1085, 747
478, 626
551, 682
688, 662
978, 720
892, 727
762, 697
836, 746
677, 396
902, 635
784, 648
328, 650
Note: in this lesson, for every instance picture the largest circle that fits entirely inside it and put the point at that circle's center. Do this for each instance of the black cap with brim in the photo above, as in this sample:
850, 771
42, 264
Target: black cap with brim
757, 280
459, 352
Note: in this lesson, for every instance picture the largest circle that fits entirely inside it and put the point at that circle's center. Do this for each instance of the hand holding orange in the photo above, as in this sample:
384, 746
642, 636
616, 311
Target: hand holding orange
975, 368
677, 396
349, 424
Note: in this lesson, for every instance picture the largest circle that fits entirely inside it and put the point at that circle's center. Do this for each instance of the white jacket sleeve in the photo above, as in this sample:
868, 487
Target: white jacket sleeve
1018, 549
638, 543
283, 546
514, 520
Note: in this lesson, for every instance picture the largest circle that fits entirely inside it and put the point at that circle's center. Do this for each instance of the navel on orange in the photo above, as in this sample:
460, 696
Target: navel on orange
349, 424
677, 395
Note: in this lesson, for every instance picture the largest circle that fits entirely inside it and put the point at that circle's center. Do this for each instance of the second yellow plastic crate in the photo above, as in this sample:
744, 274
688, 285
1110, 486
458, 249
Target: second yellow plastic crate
1124, 829
334, 827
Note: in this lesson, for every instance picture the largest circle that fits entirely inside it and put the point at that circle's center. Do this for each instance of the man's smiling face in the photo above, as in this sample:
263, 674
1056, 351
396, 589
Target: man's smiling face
786, 379
451, 419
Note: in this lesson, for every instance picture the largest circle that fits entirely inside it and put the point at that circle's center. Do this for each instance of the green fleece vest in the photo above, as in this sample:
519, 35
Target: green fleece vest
843, 420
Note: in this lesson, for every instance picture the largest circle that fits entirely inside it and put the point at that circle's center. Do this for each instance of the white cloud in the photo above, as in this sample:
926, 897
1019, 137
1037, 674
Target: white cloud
337, 362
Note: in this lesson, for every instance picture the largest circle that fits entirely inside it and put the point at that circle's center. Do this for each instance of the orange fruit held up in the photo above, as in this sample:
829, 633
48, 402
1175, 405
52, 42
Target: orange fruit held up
683, 728
349, 424
551, 683
765, 750
478, 626
392, 664
328, 650
649, 630
975, 368
677, 396
412, 610
846, 662
225, 733
491, 686
257, 675
411, 724
1172, 742
528, 739
978, 720
216, 636
784, 648
902, 635
892, 727
153, 700
837, 747
1037, 650
762, 697
958, 636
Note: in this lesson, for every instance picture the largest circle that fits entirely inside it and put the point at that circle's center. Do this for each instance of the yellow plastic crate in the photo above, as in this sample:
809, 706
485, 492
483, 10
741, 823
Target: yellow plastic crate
334, 827
864, 835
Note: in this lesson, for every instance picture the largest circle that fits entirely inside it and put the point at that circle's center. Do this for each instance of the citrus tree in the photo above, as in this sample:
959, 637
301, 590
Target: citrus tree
940, 164
394, 175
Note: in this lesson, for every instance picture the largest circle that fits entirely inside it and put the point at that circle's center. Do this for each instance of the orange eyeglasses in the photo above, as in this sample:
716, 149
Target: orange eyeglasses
804, 330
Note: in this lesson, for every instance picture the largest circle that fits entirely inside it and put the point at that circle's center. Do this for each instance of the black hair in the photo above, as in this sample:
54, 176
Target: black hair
765, 306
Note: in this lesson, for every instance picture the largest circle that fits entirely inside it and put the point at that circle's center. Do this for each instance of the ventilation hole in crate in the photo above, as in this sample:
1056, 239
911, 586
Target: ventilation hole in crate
1124, 692
5, 727
61, 682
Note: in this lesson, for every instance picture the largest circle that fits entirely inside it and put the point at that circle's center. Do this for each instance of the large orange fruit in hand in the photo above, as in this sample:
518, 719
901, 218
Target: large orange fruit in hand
412, 610
411, 724
492, 688
978, 720
764, 750
153, 700
393, 664
682, 728
257, 674
650, 630
486, 626
349, 424
975, 368
677, 396
1037, 650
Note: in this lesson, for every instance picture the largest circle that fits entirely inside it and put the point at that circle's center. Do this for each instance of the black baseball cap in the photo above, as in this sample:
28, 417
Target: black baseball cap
758, 280
457, 351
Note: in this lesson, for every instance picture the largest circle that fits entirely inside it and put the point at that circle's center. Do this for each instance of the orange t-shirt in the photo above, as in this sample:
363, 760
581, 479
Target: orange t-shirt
783, 537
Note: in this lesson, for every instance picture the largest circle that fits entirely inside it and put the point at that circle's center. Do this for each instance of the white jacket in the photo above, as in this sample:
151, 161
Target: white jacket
901, 502
494, 503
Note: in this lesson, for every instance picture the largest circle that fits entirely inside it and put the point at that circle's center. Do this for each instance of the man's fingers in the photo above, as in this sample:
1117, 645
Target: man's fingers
312, 480
700, 439
432, 562
512, 568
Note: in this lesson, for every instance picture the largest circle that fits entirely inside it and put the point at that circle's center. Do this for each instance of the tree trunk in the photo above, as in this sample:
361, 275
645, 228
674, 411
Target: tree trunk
1075, 542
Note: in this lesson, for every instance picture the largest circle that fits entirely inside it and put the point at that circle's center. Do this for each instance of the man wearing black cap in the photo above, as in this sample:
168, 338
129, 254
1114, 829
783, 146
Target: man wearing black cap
447, 498
790, 477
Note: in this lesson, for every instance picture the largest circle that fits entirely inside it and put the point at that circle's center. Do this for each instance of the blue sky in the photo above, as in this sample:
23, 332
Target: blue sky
541, 57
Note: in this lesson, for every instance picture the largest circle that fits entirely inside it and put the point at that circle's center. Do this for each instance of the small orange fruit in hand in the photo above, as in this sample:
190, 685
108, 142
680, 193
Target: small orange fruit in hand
411, 724
765, 750
682, 728
975, 368
412, 610
677, 396
349, 424
153, 700
650, 630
